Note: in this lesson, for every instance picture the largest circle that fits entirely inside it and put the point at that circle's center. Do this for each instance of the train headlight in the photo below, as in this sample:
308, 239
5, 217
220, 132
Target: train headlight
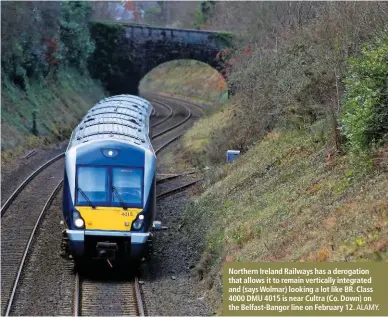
78, 221
110, 153
138, 223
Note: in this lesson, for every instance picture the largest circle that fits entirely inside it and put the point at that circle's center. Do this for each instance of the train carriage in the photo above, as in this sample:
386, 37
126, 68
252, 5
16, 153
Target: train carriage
109, 196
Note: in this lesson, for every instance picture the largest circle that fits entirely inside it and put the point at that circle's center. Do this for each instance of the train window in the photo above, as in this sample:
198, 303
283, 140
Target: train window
92, 181
128, 182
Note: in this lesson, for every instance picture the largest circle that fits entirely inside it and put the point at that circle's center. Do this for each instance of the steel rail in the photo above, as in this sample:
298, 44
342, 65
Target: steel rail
164, 119
29, 154
166, 179
180, 100
27, 248
188, 116
77, 295
168, 142
138, 297
176, 190
27, 181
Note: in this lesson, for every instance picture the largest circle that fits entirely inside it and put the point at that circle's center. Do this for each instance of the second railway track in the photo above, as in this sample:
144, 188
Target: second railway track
18, 254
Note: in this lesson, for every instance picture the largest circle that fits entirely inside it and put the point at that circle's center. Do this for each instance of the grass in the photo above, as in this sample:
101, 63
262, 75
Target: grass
287, 199
59, 105
197, 140
187, 78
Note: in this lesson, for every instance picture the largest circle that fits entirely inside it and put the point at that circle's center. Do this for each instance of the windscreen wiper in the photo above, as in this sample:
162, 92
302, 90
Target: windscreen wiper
86, 197
115, 191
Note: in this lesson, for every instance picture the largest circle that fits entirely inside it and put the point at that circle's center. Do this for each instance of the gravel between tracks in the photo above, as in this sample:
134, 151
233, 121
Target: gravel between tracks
169, 283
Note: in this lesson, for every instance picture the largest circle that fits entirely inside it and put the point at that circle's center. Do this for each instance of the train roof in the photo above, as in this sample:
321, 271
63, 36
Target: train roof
123, 117
131, 98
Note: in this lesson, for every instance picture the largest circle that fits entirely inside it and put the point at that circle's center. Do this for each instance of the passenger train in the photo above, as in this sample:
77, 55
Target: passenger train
109, 191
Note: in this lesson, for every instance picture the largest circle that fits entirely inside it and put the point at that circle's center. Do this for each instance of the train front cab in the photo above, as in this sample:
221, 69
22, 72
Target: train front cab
111, 205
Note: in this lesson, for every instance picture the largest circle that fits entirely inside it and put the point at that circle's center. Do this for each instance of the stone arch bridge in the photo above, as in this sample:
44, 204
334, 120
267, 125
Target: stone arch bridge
125, 53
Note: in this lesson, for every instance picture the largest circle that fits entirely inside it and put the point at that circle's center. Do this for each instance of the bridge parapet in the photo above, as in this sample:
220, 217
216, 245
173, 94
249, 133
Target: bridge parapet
126, 52
188, 36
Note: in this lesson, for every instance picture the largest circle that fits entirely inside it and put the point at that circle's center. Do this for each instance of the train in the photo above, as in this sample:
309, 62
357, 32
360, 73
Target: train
109, 186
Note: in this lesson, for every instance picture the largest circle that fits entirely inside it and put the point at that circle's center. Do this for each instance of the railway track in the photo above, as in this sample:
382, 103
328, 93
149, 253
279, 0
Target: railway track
198, 106
170, 114
95, 297
22, 253
170, 177
176, 190
27, 181
21, 232
181, 122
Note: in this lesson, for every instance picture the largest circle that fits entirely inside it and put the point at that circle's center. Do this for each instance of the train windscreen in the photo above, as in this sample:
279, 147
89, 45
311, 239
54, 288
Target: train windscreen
128, 182
109, 186
92, 185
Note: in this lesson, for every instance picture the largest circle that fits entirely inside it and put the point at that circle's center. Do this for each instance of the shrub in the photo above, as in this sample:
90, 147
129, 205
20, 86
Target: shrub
365, 104
289, 74
34, 44
74, 33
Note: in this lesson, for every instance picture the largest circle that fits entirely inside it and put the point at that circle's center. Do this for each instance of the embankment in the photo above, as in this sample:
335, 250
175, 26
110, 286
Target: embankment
45, 112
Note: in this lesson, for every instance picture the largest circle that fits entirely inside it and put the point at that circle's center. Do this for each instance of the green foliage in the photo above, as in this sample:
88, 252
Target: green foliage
74, 32
24, 27
225, 37
38, 37
108, 64
48, 110
288, 71
203, 13
365, 112
289, 89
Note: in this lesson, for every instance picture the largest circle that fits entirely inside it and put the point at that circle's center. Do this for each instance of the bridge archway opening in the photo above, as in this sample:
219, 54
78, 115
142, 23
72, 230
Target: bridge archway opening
125, 53
186, 77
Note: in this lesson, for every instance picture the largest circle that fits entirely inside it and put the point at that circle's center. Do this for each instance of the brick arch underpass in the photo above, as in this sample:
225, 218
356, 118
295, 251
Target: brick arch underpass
125, 53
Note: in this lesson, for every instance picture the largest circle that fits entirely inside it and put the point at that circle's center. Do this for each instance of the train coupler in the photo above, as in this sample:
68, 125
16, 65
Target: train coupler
107, 251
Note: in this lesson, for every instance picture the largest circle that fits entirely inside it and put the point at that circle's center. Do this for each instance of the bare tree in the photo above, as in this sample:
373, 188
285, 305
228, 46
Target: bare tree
108, 10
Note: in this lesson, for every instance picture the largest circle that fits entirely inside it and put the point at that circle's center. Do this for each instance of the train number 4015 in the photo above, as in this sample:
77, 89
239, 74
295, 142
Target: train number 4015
127, 214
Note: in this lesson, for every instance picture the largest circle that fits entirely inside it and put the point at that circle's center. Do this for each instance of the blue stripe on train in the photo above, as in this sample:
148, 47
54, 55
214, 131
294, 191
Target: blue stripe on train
128, 155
